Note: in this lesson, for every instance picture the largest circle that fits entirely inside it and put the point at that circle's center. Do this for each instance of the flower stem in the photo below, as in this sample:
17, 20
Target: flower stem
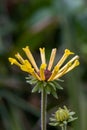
64, 127
43, 109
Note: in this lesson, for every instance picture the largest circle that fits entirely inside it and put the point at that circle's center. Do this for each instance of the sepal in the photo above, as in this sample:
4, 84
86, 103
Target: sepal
50, 87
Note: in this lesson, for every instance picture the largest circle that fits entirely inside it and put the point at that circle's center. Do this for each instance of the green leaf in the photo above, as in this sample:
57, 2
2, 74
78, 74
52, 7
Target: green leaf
57, 85
44, 84
72, 113
53, 92
52, 85
37, 87
52, 119
32, 81
48, 89
72, 119
41, 87
53, 124
65, 122
29, 77
60, 80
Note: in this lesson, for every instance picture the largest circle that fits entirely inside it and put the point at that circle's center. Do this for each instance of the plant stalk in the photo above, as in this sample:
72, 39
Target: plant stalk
64, 127
43, 109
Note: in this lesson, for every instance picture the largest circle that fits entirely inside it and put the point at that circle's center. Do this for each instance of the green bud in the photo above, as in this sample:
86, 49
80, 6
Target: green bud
62, 117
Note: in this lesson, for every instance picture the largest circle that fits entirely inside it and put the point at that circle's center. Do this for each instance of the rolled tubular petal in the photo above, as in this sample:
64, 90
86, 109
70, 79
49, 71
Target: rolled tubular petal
14, 61
71, 61
30, 70
35, 75
27, 69
74, 58
18, 56
42, 53
76, 63
27, 63
62, 72
42, 71
30, 57
64, 57
52, 57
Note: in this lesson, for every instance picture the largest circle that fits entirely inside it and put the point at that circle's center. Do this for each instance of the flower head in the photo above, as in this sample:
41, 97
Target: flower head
62, 117
45, 73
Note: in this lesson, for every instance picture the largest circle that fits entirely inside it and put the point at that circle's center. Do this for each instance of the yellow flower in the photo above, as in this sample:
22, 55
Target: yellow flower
45, 73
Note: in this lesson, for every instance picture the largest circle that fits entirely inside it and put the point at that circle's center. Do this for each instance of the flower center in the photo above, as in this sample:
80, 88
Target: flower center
47, 74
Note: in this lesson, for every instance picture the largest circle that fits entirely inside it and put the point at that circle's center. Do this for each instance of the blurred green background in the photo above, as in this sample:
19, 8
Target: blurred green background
41, 23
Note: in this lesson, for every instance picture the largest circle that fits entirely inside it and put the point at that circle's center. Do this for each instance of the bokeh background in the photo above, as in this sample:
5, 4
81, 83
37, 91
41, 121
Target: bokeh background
41, 23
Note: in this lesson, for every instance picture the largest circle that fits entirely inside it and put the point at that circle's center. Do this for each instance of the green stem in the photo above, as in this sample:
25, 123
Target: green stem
64, 127
43, 109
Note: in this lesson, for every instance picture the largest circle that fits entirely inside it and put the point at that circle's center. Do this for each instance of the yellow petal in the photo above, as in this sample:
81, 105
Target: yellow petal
60, 74
35, 75
42, 53
64, 57
26, 69
74, 58
54, 73
26, 66
52, 57
27, 63
75, 64
69, 62
42, 69
14, 61
30, 57
18, 56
